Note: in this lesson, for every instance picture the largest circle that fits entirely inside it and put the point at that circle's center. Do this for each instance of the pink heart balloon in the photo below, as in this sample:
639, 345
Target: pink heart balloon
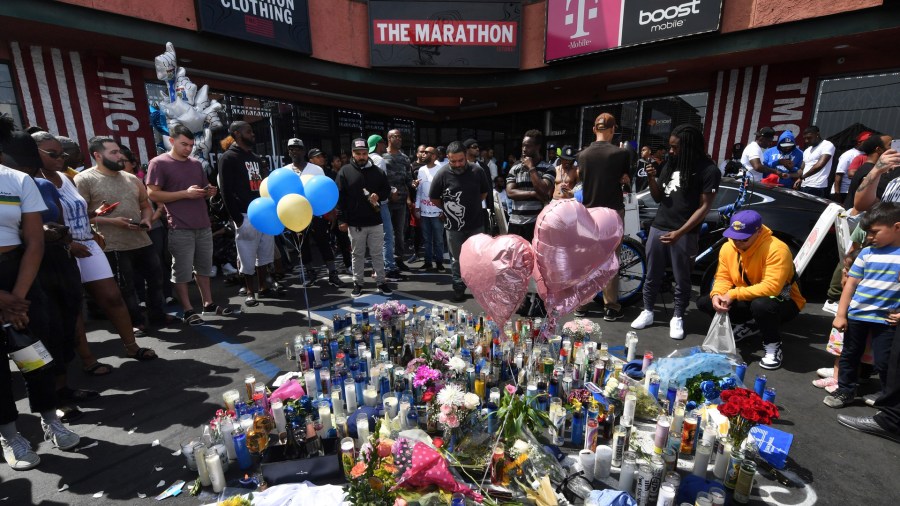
570, 242
567, 300
496, 270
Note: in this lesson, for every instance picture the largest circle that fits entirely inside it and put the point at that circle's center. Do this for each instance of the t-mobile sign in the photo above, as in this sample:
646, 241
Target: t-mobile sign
578, 27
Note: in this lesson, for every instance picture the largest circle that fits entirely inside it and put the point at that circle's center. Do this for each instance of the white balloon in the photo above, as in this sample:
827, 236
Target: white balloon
201, 99
165, 64
193, 119
212, 115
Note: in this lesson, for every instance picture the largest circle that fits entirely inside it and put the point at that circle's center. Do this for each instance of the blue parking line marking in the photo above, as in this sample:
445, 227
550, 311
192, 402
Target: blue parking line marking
263, 366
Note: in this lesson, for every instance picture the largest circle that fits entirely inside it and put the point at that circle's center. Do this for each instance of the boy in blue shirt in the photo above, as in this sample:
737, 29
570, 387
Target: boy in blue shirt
870, 301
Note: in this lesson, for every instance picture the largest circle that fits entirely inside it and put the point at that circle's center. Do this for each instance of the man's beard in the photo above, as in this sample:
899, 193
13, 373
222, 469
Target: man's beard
111, 165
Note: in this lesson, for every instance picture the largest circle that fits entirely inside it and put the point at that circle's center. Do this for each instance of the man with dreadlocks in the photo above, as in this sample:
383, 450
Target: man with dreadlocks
684, 190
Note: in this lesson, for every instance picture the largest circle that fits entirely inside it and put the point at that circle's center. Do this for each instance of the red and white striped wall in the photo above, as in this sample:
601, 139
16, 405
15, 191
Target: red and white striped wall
743, 100
80, 95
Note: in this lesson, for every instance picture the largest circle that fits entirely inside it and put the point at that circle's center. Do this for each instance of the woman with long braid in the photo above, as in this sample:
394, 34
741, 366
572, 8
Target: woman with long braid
684, 190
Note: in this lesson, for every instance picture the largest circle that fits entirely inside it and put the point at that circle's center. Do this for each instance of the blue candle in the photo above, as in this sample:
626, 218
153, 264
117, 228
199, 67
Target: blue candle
241, 451
740, 370
653, 389
671, 393
769, 395
760, 385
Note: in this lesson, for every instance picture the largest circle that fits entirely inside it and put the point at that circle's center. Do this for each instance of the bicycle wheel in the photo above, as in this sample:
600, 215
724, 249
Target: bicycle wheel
632, 271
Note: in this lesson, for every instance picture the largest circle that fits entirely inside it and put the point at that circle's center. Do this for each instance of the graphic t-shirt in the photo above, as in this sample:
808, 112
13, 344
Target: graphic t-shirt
423, 200
879, 289
461, 194
18, 194
399, 173
678, 204
811, 156
172, 175
123, 188
74, 210
240, 175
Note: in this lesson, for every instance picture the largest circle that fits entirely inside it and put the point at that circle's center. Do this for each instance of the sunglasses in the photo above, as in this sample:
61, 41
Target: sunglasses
54, 154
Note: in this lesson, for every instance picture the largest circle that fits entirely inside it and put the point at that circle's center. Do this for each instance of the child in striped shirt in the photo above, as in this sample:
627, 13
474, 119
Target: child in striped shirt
870, 301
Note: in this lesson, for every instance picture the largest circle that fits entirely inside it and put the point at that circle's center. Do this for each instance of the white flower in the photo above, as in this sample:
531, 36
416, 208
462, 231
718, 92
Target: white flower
450, 395
471, 401
457, 364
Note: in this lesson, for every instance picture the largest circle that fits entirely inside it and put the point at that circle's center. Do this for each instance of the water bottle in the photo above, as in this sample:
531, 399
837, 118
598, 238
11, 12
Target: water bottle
29, 354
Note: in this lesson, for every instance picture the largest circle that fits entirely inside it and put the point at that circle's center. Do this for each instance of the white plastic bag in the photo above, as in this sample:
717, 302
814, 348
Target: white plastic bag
720, 337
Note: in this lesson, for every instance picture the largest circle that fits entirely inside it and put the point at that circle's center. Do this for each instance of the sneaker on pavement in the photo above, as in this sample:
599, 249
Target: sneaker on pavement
838, 399
229, 269
745, 330
868, 425
393, 275
612, 315
357, 291
440, 267
311, 278
773, 356
644, 320
871, 398
335, 280
384, 289
831, 388
830, 306
580, 312
428, 267
401, 266
824, 382
458, 296
18, 453
59, 435
825, 372
676, 328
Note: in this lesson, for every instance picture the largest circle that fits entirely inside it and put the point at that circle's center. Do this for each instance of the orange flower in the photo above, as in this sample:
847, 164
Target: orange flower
358, 470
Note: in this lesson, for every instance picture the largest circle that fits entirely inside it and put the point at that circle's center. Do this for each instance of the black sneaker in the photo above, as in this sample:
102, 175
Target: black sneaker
839, 399
773, 357
402, 266
393, 275
428, 267
334, 280
742, 331
440, 268
357, 291
458, 296
612, 315
311, 278
580, 312
384, 289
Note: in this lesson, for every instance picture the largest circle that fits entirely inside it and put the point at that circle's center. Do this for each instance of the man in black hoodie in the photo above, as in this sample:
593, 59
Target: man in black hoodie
362, 186
240, 174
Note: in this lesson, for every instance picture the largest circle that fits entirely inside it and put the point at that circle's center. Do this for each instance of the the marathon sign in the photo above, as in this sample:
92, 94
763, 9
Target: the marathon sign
452, 34
279, 23
579, 27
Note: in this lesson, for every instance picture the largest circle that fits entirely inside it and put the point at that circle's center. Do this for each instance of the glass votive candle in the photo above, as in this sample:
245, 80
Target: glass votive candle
230, 396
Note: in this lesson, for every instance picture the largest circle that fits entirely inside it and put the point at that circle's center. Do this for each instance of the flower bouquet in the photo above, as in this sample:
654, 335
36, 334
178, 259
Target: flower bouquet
390, 310
580, 330
706, 387
372, 476
745, 410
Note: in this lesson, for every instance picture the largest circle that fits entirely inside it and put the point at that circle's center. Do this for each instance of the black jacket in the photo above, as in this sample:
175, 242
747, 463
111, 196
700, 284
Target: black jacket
240, 174
353, 205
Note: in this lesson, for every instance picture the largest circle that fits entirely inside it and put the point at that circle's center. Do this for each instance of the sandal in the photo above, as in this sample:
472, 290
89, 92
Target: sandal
251, 301
97, 369
142, 354
213, 309
76, 395
192, 318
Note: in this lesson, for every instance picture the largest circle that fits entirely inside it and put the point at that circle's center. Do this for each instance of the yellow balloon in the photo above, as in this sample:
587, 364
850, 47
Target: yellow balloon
295, 212
264, 188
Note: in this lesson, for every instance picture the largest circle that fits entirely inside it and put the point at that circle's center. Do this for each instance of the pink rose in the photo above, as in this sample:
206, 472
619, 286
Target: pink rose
511, 390
400, 502
452, 421
445, 409
442, 418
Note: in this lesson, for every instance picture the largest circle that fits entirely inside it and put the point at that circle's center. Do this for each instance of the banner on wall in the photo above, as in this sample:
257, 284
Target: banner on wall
444, 34
80, 96
746, 99
279, 23
579, 27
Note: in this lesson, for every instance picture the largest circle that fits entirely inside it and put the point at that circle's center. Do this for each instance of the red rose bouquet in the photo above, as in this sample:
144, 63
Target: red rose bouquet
745, 410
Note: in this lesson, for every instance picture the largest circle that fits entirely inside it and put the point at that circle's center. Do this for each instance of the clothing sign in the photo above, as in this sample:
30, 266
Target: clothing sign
578, 27
279, 23
453, 34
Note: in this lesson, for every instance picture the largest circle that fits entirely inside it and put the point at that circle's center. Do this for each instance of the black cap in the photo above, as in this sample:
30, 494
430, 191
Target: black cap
550, 146
359, 143
314, 152
766, 132
468, 143
568, 153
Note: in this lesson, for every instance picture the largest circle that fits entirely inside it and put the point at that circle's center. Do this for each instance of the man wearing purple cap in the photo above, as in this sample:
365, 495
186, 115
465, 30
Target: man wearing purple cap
755, 281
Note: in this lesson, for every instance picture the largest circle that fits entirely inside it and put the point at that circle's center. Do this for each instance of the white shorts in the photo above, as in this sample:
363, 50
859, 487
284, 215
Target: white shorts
96, 266
254, 248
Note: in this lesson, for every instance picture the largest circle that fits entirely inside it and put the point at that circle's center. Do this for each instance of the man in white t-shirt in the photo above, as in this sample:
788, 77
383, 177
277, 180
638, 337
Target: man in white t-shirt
752, 159
430, 217
319, 228
818, 159
841, 177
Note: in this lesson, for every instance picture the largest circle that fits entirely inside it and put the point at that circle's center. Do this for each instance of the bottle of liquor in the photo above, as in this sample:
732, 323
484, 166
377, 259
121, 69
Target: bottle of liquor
30, 355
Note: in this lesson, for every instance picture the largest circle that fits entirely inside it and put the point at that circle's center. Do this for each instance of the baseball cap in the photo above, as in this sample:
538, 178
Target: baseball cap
766, 132
468, 143
314, 152
295, 143
550, 146
789, 142
359, 143
373, 141
567, 153
743, 225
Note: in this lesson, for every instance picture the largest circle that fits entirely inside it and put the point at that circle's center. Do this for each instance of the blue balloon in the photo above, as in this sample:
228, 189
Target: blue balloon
322, 194
263, 215
282, 182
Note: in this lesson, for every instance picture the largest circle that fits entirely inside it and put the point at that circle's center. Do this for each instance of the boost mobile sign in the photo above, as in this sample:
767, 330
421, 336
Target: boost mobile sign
579, 27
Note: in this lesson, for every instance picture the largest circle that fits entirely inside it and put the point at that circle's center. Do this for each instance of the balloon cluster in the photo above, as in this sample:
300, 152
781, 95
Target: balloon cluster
290, 201
187, 105
572, 257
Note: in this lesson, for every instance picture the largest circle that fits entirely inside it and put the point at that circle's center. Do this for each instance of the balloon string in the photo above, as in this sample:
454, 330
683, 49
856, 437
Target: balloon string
298, 243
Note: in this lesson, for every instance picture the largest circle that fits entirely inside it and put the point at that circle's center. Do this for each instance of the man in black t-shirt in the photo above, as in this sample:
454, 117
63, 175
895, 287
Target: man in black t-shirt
685, 190
458, 189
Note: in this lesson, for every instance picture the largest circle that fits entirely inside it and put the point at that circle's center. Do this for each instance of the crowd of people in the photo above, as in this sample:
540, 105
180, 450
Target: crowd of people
134, 241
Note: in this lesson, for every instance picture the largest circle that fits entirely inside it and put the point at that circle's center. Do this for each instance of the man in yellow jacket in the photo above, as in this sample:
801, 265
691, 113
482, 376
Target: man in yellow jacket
755, 283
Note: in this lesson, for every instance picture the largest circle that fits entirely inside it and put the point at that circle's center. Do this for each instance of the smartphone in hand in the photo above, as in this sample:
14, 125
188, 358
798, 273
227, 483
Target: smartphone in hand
105, 208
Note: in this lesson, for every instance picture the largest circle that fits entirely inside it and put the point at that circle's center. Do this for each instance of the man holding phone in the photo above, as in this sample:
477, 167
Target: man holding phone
128, 247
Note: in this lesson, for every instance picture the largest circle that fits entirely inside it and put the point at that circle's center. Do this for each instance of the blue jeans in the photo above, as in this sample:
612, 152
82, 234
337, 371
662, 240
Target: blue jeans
389, 263
433, 236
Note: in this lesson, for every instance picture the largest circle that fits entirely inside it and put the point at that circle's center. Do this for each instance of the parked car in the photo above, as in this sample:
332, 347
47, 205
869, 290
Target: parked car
790, 214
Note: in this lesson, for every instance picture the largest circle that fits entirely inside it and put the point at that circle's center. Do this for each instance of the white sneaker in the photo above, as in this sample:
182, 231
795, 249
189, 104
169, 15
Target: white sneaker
644, 320
830, 306
229, 270
59, 435
742, 331
18, 453
676, 328
825, 372
773, 357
